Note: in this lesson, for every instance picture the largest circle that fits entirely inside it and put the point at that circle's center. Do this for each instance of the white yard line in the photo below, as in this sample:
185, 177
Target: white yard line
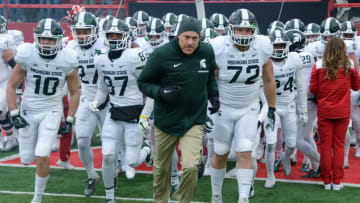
82, 196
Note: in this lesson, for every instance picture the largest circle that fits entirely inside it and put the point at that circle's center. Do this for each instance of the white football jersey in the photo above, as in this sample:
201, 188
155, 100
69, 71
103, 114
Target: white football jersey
17, 35
6, 42
45, 79
86, 70
119, 77
240, 73
317, 48
308, 62
146, 46
285, 76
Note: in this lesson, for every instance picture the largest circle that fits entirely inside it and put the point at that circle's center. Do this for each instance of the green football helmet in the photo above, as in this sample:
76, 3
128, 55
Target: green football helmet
119, 27
312, 32
242, 18
3, 25
142, 18
169, 20
297, 40
50, 29
220, 22
207, 34
155, 32
329, 27
275, 24
131, 23
172, 34
85, 21
279, 38
348, 30
295, 24
181, 17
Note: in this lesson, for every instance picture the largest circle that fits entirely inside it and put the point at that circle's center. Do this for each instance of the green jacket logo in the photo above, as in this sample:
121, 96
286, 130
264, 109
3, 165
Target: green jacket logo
203, 63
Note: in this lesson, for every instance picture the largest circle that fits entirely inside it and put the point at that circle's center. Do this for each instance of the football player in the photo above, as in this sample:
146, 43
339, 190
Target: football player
7, 63
141, 18
118, 68
243, 59
46, 66
86, 43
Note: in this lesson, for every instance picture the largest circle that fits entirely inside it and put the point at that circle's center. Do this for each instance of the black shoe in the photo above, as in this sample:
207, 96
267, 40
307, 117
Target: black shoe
316, 137
305, 167
277, 165
312, 174
91, 185
252, 192
109, 201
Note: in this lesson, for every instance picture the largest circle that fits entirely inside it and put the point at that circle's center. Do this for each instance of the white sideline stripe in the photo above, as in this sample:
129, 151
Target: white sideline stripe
83, 196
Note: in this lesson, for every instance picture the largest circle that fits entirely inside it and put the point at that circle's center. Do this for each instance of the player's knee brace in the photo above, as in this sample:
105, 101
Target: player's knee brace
27, 158
270, 148
83, 142
244, 145
109, 160
221, 148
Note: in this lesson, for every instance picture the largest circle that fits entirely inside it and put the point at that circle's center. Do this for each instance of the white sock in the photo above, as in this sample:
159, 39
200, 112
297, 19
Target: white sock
108, 172
244, 177
269, 159
40, 185
217, 179
110, 193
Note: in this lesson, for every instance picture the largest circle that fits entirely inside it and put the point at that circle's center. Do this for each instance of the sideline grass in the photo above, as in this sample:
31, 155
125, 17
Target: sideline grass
73, 182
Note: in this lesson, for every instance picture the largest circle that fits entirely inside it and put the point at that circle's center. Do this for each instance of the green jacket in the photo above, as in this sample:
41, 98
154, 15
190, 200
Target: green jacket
195, 73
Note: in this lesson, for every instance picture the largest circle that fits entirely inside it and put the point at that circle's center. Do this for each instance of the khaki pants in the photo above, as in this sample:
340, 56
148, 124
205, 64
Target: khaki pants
190, 146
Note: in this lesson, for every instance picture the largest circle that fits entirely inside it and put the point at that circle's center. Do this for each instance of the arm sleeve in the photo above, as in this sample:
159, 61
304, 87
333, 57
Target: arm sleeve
212, 83
301, 91
102, 91
314, 81
148, 78
148, 108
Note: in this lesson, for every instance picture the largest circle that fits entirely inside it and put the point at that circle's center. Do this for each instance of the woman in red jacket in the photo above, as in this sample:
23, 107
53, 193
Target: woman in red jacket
331, 80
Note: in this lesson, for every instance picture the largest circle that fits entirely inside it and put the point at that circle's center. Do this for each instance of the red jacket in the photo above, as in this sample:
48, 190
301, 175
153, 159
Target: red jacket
333, 96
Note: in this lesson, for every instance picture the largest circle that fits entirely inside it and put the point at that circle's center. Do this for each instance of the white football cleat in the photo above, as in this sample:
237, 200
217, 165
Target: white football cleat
65, 164
129, 172
270, 182
216, 199
10, 144
338, 186
327, 186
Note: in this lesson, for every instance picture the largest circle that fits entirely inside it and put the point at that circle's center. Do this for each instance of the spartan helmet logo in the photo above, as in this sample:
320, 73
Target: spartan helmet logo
203, 63
297, 38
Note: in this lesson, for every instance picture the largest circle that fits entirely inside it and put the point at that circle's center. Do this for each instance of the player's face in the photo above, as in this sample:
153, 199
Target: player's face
83, 34
242, 31
167, 29
348, 35
153, 37
327, 37
114, 36
279, 47
310, 37
219, 31
47, 43
189, 41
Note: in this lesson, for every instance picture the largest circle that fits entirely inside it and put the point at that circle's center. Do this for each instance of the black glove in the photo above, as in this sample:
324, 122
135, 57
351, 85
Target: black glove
271, 117
313, 99
209, 124
215, 104
65, 128
169, 94
19, 122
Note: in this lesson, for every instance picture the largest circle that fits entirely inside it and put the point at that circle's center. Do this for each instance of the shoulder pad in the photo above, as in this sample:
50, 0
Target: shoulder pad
99, 44
24, 52
71, 57
350, 46
135, 56
71, 44
263, 43
7, 42
219, 43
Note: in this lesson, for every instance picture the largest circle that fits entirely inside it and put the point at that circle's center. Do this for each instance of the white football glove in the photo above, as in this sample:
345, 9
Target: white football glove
144, 126
94, 106
304, 117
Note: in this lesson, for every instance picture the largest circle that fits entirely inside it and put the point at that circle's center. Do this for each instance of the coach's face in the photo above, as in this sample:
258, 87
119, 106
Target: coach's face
188, 42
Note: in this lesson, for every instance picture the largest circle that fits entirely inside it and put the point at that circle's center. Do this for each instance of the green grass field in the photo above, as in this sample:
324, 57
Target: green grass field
73, 182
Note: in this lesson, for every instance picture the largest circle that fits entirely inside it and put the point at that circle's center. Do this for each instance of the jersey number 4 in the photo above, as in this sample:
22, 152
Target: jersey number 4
251, 79
49, 87
287, 87
109, 83
82, 74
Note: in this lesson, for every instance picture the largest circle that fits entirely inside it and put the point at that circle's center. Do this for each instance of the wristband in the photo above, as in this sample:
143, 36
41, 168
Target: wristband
144, 117
70, 119
12, 63
14, 112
